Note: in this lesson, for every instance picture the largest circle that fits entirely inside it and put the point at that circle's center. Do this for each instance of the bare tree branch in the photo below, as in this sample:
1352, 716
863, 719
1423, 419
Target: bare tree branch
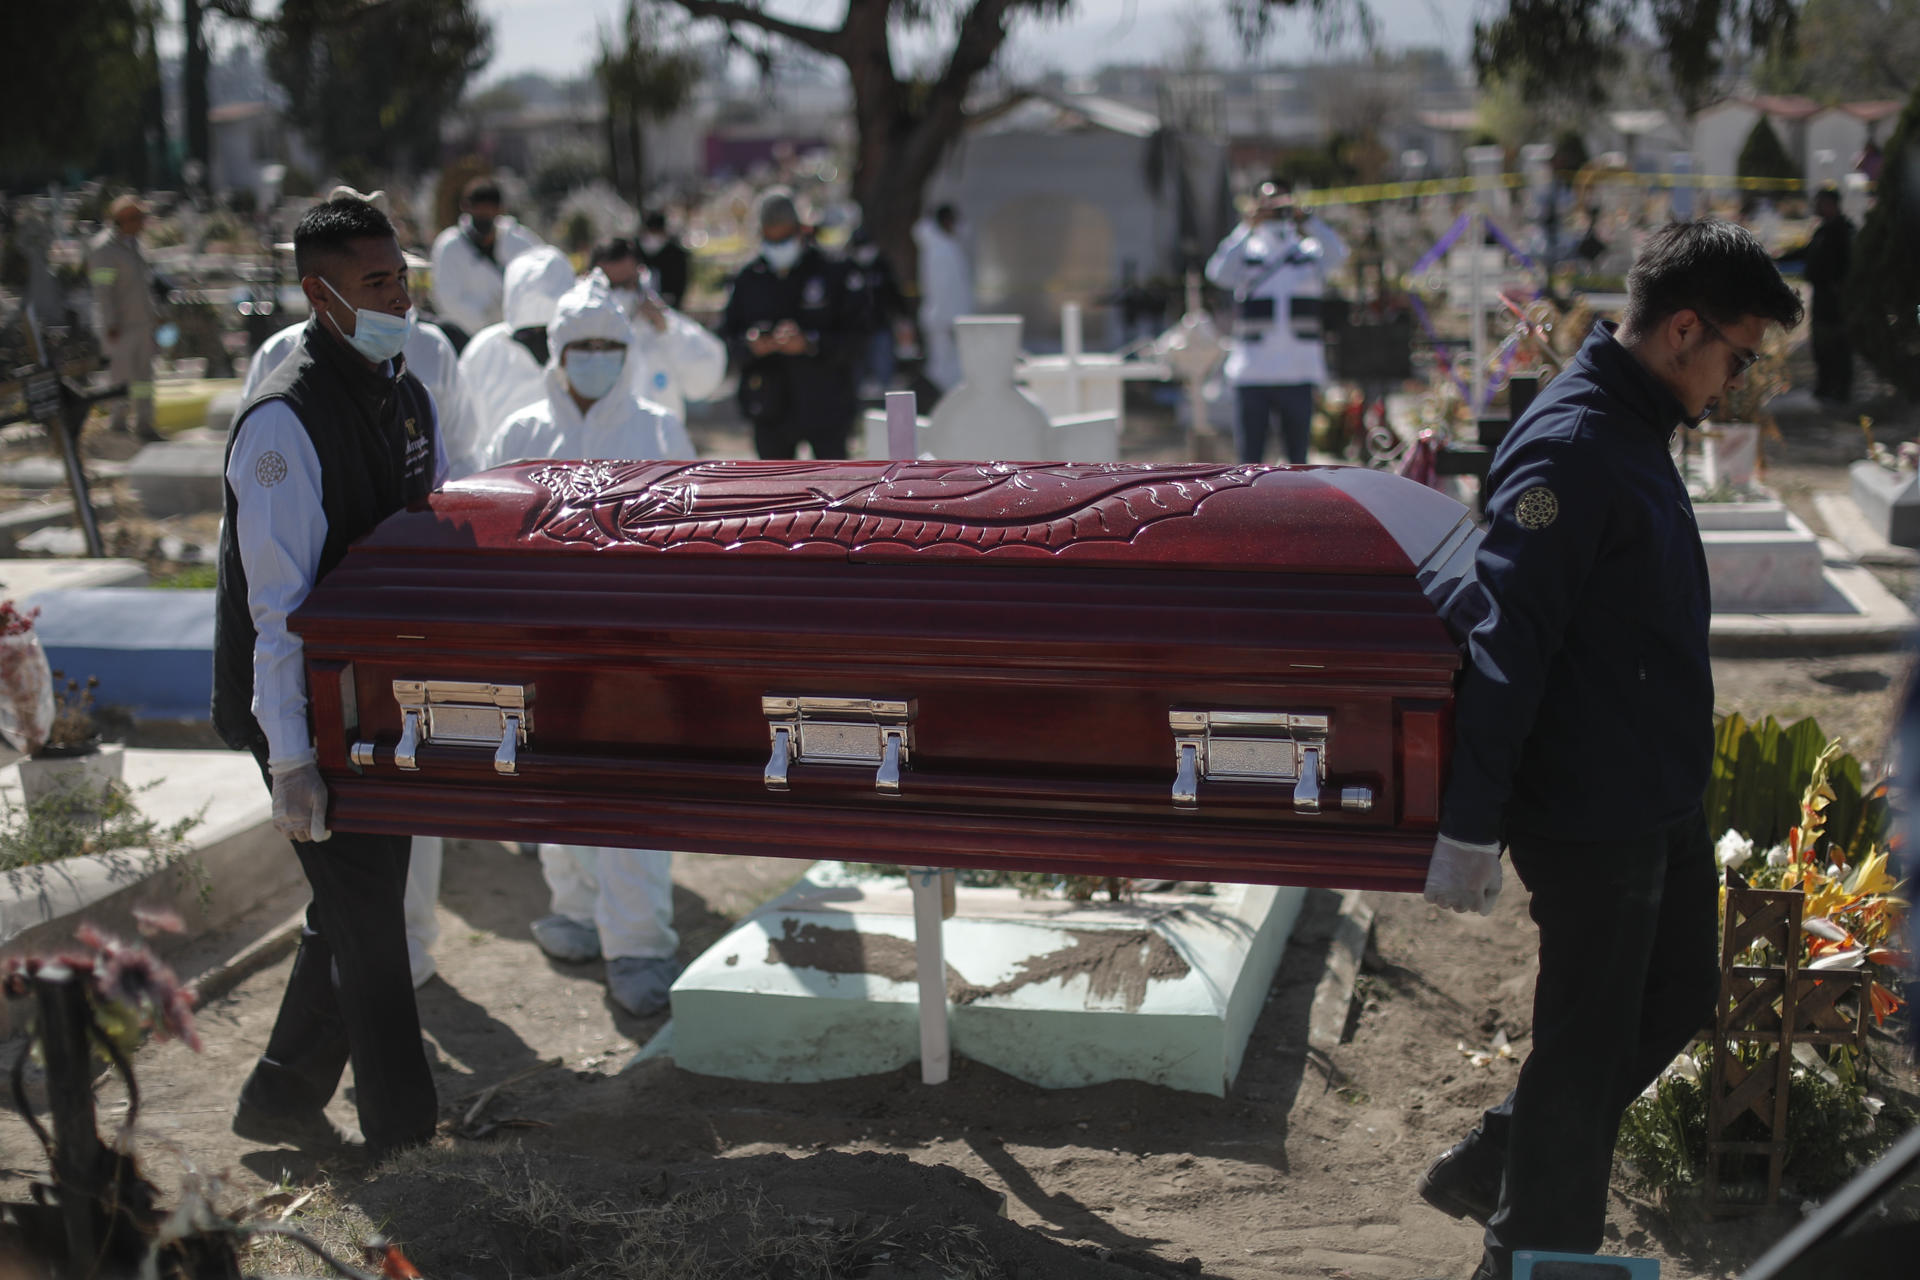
816, 38
986, 115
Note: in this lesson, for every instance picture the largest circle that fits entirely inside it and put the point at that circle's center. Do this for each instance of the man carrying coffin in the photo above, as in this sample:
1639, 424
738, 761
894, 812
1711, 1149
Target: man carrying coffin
337, 438
1584, 734
616, 903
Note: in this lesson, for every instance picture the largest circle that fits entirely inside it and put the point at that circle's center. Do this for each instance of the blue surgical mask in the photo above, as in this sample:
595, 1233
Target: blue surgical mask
377, 335
594, 373
781, 254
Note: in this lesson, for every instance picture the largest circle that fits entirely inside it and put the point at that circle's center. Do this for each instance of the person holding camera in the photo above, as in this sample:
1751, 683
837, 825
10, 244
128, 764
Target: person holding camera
1276, 264
788, 326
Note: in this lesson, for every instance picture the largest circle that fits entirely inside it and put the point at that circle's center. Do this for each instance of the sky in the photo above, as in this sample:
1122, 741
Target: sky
557, 36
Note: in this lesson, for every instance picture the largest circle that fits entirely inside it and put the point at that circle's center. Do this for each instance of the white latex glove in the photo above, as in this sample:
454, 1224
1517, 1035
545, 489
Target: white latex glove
1465, 877
299, 800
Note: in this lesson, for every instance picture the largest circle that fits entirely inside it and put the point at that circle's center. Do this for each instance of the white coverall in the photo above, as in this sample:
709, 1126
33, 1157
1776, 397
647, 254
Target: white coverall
468, 285
627, 894
686, 362
429, 358
498, 375
946, 294
280, 535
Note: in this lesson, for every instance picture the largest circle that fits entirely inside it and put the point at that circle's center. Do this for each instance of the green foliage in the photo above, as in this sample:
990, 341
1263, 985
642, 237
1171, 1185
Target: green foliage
1760, 772
370, 83
79, 74
1883, 285
645, 76
1763, 155
563, 171
1847, 51
80, 820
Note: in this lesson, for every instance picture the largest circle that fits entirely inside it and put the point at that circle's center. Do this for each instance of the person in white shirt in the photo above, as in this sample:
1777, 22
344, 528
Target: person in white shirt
1276, 265
504, 367
469, 259
337, 438
674, 358
616, 903
946, 293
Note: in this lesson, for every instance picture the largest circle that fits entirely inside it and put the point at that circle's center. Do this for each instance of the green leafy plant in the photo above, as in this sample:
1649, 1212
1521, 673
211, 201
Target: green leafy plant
1760, 772
79, 820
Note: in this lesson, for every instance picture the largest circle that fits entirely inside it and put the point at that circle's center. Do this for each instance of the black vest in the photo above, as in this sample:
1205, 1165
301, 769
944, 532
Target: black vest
373, 435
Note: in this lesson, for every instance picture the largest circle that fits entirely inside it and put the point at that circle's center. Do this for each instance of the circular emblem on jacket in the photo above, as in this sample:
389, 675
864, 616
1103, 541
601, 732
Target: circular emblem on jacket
1537, 508
271, 469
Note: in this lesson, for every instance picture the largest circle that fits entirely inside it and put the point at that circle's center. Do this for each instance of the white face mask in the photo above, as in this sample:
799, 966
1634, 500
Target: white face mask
377, 335
594, 373
782, 255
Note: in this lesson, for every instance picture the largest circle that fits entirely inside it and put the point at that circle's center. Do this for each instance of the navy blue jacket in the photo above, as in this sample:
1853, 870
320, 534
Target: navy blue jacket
1586, 712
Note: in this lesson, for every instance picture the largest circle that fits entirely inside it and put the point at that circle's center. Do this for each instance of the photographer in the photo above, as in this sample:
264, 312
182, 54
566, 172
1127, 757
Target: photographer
790, 333
1276, 264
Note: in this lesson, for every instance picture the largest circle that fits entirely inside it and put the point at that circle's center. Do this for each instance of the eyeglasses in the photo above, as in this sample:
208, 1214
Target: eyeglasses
1742, 360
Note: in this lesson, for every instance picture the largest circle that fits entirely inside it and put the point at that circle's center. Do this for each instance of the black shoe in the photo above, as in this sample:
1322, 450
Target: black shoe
307, 1130
1491, 1270
1456, 1188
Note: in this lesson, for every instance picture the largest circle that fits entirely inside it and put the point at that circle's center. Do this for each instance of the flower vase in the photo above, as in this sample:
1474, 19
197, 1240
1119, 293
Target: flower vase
26, 691
92, 769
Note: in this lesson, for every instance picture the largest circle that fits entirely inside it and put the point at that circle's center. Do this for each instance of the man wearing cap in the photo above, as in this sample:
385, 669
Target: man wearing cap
125, 311
336, 439
792, 339
470, 259
1276, 264
503, 369
606, 902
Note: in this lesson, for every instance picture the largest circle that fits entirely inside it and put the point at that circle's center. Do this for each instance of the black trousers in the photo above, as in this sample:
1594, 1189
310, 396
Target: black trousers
1832, 361
828, 437
1629, 972
351, 997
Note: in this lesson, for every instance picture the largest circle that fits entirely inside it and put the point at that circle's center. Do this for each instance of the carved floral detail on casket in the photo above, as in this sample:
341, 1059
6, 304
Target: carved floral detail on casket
984, 506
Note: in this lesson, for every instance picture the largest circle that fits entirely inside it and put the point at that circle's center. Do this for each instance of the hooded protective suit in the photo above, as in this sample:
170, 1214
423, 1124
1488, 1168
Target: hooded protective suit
626, 894
499, 372
468, 285
685, 362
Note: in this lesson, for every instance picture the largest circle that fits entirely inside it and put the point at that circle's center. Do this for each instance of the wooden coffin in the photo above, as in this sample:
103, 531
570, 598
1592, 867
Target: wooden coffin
1192, 672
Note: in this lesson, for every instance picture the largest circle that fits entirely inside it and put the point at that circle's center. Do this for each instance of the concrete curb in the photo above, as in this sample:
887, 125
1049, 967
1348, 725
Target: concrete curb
1868, 618
1850, 529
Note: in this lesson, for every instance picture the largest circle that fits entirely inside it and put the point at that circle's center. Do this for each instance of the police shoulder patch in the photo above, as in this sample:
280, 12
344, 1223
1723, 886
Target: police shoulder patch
1537, 508
271, 469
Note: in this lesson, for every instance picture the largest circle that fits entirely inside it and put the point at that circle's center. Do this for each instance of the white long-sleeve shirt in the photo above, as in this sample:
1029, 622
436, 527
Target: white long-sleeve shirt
467, 287
617, 426
281, 527
1270, 261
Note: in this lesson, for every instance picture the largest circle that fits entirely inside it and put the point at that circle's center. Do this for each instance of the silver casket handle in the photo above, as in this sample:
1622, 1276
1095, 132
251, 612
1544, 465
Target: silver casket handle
1277, 747
874, 733
462, 713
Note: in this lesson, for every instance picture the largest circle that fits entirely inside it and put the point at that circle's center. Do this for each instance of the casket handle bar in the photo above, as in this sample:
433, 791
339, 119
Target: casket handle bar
1280, 747
874, 733
462, 713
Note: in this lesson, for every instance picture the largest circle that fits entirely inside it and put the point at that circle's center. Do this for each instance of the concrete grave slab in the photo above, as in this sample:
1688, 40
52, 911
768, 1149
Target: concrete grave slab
1760, 557
44, 471
1863, 541
21, 579
30, 518
1888, 500
242, 862
819, 984
1855, 613
179, 478
152, 648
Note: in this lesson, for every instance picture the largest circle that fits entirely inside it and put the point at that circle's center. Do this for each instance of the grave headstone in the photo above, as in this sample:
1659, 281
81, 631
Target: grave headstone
1889, 500
179, 478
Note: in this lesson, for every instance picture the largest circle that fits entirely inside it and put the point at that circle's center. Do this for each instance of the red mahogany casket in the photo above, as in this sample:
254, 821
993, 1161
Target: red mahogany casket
1200, 672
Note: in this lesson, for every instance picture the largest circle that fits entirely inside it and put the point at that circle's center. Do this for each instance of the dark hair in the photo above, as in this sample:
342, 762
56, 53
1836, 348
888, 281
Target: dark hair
654, 221
330, 226
1828, 192
618, 249
1715, 268
946, 215
481, 191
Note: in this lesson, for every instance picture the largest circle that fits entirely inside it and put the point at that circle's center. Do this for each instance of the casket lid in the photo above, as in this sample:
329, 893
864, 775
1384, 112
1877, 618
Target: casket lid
1346, 520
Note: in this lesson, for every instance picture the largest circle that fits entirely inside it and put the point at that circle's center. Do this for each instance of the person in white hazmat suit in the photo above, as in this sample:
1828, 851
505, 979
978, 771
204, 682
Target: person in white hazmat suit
674, 358
470, 257
430, 358
1276, 265
616, 903
946, 293
504, 368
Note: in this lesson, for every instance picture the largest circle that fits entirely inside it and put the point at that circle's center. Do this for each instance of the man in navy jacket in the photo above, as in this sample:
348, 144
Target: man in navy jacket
1584, 734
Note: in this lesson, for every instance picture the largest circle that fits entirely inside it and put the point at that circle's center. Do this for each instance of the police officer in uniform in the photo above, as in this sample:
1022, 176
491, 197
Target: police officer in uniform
792, 339
1584, 734
338, 437
1276, 264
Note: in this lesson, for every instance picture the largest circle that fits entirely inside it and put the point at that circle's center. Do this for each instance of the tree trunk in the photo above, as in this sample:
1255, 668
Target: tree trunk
194, 88
637, 144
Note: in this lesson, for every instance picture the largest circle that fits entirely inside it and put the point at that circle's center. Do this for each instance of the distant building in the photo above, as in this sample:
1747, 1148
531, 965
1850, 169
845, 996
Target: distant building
1822, 140
247, 137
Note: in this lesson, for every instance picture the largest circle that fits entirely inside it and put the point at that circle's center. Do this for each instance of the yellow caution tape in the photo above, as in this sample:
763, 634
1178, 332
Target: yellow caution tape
1461, 186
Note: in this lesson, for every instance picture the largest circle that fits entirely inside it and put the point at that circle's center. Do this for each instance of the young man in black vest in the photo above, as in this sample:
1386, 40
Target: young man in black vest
336, 439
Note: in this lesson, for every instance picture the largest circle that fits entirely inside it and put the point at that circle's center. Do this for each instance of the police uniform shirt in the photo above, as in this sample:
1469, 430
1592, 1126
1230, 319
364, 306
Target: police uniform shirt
1271, 265
281, 528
